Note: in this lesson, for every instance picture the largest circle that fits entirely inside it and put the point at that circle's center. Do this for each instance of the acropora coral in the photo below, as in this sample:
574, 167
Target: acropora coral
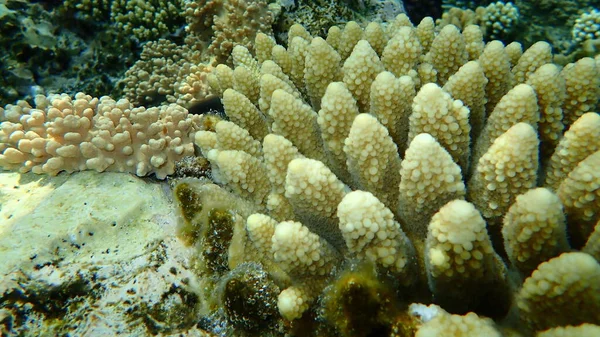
425, 166
377, 167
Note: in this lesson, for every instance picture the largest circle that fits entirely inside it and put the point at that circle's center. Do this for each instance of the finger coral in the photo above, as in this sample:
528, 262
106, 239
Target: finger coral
383, 174
83, 133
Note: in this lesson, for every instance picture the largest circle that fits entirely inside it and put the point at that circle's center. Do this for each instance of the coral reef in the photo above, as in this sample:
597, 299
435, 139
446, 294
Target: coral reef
83, 133
339, 212
224, 24
142, 19
47, 52
167, 73
569, 26
384, 179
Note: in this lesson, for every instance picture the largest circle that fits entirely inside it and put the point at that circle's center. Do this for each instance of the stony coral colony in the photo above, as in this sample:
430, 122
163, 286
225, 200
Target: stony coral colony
360, 173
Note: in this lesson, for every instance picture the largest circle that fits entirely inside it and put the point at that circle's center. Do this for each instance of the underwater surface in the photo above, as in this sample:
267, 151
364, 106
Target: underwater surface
300, 168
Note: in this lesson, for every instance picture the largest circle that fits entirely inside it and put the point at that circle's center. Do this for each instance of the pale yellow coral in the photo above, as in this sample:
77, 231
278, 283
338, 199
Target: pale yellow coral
562, 291
534, 229
583, 330
581, 140
447, 52
373, 160
582, 88
429, 179
461, 263
507, 169
580, 194
445, 119
534, 57
315, 192
85, 133
371, 233
360, 70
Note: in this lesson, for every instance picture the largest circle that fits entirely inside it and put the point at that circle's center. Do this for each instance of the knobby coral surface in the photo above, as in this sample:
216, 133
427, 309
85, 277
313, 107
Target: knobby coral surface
415, 155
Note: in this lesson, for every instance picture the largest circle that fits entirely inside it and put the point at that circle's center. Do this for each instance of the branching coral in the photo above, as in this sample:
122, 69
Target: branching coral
223, 24
84, 133
318, 188
338, 182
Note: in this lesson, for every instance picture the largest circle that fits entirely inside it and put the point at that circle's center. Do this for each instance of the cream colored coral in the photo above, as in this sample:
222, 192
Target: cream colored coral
401, 20
549, 86
292, 302
282, 58
338, 110
426, 33
562, 291
458, 326
241, 111
474, 44
298, 48
445, 119
246, 82
279, 207
260, 229
297, 122
334, 37
373, 160
245, 174
468, 85
534, 57
297, 30
496, 66
580, 194
242, 57
360, 70
579, 141
232, 137
592, 245
271, 67
514, 50
351, 34
224, 75
402, 52
458, 245
374, 33
300, 252
315, 192
322, 66
583, 330
447, 53
507, 169
390, 101
277, 153
83, 133
534, 229
582, 80
206, 141
518, 105
263, 45
429, 179
371, 233
268, 84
